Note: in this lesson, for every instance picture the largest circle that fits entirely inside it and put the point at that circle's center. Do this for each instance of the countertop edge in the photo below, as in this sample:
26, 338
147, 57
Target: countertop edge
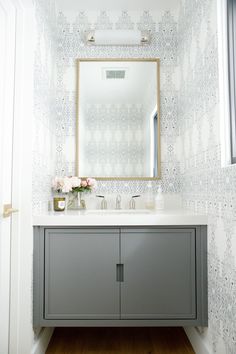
155, 219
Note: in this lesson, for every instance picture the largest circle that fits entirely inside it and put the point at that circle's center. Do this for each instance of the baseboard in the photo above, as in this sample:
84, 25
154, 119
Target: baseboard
42, 341
196, 340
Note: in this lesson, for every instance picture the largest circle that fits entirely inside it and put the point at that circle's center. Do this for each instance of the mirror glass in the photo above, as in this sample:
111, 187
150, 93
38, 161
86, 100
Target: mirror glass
118, 119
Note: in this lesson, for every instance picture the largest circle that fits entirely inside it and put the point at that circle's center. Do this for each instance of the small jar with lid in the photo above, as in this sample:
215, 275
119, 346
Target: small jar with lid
59, 202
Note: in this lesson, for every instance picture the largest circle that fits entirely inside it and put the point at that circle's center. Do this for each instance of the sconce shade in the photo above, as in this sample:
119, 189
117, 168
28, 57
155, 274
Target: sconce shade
117, 37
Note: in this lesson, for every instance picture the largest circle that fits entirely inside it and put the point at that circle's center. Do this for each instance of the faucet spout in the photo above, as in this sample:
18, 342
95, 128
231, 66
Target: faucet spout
132, 201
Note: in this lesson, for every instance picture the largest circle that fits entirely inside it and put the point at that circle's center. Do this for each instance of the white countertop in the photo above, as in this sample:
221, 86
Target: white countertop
120, 218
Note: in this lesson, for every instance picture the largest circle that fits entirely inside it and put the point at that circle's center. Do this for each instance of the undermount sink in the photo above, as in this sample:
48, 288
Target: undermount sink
120, 211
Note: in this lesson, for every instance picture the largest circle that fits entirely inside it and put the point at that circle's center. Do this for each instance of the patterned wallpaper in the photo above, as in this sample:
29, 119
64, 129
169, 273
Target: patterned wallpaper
164, 45
113, 140
44, 104
190, 118
206, 186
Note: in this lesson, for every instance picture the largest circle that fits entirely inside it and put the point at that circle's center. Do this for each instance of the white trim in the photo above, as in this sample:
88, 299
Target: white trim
198, 344
21, 331
43, 340
25, 336
16, 167
7, 62
223, 83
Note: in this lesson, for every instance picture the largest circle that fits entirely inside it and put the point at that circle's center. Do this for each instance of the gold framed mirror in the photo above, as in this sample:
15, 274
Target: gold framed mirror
118, 119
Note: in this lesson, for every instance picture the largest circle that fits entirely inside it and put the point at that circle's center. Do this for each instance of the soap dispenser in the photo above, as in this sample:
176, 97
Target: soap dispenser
159, 199
149, 198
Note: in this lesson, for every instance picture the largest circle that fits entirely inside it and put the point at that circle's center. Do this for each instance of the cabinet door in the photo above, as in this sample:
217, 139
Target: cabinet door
159, 274
80, 274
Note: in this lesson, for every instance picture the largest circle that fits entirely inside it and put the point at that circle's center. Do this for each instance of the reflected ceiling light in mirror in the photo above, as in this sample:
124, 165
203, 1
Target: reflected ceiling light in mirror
117, 37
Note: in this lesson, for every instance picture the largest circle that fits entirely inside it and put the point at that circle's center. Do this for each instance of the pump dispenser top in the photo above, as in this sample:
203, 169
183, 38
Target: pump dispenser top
159, 199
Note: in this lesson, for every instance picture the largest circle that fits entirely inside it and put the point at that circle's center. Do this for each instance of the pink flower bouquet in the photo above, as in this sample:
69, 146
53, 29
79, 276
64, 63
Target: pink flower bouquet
86, 185
73, 184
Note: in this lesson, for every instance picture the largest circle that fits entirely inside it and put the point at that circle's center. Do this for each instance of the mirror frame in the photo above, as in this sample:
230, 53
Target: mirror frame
155, 60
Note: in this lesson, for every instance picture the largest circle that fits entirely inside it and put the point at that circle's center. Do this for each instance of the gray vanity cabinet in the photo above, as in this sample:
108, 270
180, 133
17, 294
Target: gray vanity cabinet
159, 274
80, 274
126, 276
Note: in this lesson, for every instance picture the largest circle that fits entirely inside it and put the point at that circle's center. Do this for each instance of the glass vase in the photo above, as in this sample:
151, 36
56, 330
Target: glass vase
81, 205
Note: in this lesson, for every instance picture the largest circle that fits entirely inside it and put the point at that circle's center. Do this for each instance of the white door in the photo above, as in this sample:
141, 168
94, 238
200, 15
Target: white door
7, 89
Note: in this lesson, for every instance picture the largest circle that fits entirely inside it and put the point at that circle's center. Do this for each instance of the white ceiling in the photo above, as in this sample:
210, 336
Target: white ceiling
117, 5
94, 88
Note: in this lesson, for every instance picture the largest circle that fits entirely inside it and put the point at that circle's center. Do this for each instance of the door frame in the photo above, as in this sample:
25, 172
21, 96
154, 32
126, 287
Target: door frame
21, 336
7, 62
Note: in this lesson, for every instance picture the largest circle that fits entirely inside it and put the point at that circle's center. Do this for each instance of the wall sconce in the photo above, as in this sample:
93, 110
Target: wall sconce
117, 37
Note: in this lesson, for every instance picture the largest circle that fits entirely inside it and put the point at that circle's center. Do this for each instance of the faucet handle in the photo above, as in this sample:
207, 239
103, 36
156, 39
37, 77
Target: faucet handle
132, 201
104, 202
118, 202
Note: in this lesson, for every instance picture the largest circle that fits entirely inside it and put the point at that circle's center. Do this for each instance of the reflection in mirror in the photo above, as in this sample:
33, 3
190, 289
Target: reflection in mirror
118, 133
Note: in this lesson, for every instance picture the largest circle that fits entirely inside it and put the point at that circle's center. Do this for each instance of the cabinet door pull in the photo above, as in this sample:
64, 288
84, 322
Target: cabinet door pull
120, 272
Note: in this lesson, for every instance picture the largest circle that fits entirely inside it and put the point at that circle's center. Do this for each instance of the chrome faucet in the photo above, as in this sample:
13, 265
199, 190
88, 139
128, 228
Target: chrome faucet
103, 202
118, 202
132, 201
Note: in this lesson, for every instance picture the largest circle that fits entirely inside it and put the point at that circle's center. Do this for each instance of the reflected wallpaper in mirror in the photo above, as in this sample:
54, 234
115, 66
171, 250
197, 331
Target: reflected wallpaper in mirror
118, 133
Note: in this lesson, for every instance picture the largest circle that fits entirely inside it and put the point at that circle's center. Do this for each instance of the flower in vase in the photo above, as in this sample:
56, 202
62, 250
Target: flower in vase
62, 184
91, 182
75, 182
85, 185
58, 184
67, 187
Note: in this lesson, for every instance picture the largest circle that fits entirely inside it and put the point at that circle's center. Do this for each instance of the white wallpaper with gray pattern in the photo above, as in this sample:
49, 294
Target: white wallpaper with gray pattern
113, 140
207, 187
44, 103
163, 28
